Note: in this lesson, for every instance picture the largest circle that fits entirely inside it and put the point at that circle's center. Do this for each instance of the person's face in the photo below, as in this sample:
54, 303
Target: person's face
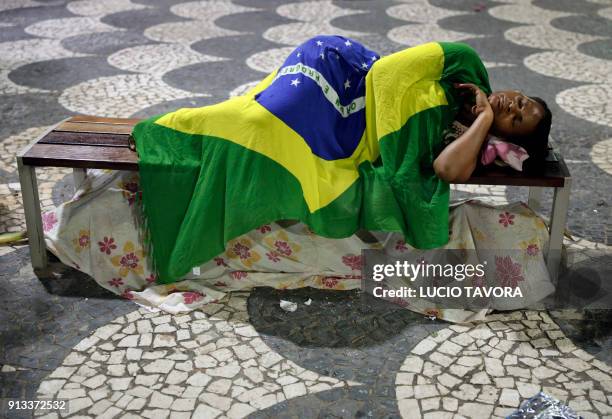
516, 115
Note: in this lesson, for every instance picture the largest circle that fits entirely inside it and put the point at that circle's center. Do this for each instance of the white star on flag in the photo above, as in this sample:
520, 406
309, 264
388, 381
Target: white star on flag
322, 56
347, 84
319, 43
295, 82
348, 43
364, 65
373, 58
299, 54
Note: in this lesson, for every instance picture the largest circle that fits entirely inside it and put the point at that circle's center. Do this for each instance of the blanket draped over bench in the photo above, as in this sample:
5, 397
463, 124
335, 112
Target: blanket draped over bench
336, 138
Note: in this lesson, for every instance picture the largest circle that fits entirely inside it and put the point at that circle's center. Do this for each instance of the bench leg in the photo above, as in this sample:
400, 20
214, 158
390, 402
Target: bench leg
534, 199
558, 218
31, 208
78, 176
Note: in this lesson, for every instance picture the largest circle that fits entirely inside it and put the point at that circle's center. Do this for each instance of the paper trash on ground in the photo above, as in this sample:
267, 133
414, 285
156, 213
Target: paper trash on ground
288, 306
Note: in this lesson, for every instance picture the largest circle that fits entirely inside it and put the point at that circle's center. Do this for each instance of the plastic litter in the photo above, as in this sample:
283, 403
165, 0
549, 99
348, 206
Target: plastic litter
308, 302
543, 406
288, 306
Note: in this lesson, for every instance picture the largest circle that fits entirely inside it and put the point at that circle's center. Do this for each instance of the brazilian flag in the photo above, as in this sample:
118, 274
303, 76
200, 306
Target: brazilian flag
337, 137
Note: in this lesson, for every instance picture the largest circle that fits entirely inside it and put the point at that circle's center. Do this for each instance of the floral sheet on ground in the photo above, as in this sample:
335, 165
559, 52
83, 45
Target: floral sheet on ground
97, 232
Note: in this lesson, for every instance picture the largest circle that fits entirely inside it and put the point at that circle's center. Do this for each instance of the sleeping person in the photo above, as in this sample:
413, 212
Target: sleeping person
353, 148
523, 121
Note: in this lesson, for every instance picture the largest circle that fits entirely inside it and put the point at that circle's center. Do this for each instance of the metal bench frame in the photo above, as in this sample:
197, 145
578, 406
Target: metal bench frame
75, 143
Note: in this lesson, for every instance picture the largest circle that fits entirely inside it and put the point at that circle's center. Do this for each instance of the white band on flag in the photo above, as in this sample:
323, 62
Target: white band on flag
330, 93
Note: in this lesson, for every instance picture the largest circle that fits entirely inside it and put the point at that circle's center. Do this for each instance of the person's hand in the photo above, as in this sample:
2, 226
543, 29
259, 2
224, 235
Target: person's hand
481, 103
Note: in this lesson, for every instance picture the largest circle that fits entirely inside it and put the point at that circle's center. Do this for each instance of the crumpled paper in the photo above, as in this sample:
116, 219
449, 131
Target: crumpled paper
289, 306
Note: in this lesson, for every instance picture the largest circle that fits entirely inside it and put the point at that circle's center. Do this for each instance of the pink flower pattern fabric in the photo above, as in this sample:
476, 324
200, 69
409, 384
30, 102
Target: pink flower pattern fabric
400, 246
49, 220
115, 282
329, 281
107, 245
191, 297
352, 261
281, 256
238, 275
509, 273
265, 229
283, 247
506, 219
220, 262
532, 249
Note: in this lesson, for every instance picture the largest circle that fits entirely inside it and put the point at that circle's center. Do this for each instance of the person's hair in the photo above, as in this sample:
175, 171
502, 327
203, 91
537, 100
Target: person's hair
536, 143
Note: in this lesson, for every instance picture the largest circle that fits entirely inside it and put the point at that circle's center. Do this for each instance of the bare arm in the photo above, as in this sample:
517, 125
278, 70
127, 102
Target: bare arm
458, 160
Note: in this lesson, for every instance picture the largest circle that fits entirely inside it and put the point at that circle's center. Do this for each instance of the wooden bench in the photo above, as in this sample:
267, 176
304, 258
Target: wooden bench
85, 142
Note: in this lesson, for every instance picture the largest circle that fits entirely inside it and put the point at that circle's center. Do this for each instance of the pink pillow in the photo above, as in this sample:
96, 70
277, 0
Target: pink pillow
511, 154
495, 149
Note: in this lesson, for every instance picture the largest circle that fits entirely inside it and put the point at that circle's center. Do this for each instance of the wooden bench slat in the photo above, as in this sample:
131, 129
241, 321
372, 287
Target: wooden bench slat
85, 138
96, 127
105, 120
98, 142
81, 156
